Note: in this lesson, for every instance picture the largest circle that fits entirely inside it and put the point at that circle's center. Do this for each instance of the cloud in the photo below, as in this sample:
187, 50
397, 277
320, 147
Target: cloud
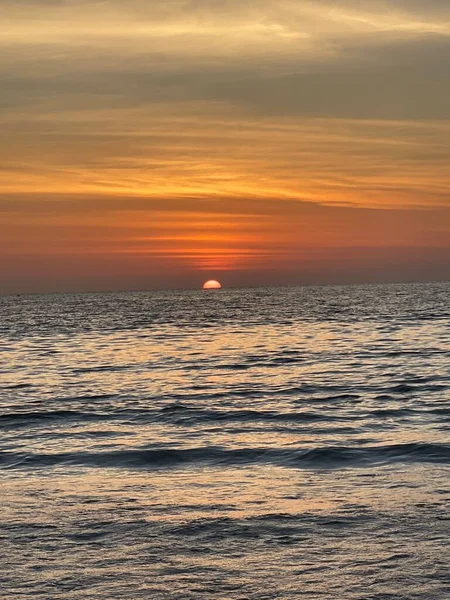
100, 242
317, 123
363, 60
154, 153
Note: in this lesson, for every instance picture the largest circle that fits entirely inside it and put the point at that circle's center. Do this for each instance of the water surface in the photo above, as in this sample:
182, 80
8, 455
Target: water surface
241, 444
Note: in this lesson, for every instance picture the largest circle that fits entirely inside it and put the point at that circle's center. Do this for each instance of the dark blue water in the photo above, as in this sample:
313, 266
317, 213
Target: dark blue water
240, 444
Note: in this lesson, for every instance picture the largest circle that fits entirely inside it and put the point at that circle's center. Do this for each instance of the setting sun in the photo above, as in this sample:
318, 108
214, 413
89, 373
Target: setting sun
212, 284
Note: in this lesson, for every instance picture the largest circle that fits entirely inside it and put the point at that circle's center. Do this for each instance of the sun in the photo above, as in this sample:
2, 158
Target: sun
212, 284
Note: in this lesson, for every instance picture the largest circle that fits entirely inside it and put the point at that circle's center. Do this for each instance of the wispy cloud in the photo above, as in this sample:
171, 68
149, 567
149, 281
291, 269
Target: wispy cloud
247, 132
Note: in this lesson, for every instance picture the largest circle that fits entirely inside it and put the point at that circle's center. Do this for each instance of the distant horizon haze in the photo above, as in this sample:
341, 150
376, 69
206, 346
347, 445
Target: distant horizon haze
226, 286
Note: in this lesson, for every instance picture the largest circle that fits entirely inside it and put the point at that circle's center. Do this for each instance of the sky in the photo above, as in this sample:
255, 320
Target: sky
150, 145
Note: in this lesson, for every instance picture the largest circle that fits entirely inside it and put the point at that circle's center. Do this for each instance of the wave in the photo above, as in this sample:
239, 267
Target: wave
27, 418
408, 388
101, 369
174, 413
16, 386
328, 457
188, 415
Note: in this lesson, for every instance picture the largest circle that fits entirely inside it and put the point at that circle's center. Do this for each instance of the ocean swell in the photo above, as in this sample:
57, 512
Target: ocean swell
328, 457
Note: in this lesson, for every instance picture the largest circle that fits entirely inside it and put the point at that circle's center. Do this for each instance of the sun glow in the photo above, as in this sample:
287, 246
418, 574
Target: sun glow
212, 284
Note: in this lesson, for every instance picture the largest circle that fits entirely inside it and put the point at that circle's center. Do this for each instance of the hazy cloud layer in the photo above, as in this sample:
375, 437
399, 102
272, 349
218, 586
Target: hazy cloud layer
311, 108
149, 243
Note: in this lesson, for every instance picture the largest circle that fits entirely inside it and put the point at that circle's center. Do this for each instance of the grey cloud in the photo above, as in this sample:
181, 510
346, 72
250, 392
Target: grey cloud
191, 6
405, 80
71, 204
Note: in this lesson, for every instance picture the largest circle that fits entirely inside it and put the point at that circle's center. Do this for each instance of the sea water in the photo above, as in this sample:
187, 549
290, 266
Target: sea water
234, 444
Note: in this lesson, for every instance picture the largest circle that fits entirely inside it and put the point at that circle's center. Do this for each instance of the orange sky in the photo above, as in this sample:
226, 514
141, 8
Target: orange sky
158, 146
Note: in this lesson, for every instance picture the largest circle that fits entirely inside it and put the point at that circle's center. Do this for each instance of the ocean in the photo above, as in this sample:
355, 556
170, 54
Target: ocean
235, 444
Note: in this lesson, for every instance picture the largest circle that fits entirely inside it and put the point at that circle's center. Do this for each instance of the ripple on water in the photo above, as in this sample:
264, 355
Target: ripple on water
257, 444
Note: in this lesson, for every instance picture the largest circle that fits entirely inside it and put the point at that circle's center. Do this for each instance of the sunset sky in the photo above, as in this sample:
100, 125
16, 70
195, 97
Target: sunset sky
151, 144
